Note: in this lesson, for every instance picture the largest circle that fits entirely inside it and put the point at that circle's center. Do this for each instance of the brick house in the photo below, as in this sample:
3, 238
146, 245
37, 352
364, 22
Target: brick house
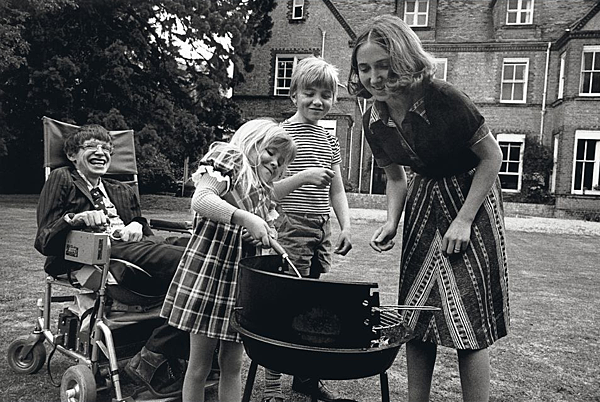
531, 66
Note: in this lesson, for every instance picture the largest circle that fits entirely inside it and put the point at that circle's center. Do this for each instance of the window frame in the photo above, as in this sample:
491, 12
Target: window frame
519, 11
415, 14
595, 50
300, 4
512, 138
587, 135
515, 61
561, 75
444, 60
296, 57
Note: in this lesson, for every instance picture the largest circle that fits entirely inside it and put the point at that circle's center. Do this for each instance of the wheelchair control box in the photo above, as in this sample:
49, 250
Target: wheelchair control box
87, 247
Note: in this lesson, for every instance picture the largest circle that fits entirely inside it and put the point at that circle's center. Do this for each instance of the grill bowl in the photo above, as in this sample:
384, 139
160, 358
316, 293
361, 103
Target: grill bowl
318, 362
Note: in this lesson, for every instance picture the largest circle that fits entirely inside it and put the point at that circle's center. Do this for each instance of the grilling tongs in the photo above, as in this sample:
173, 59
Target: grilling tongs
281, 251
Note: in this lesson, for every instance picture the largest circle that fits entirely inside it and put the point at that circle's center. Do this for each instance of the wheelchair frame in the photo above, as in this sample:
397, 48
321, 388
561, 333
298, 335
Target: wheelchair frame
27, 354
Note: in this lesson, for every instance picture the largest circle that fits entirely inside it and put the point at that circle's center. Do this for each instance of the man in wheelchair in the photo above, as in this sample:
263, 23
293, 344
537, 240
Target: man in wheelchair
78, 197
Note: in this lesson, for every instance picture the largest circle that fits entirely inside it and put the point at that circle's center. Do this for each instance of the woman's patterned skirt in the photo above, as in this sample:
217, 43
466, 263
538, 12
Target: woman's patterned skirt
470, 288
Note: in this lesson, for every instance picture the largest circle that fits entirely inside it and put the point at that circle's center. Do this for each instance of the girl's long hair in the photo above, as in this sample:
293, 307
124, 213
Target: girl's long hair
252, 138
409, 62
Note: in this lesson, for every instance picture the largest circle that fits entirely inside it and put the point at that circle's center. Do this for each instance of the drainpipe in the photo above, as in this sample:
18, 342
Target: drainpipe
543, 111
322, 42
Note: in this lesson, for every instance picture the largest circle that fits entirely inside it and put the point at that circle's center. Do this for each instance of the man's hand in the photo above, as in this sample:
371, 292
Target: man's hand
92, 219
131, 232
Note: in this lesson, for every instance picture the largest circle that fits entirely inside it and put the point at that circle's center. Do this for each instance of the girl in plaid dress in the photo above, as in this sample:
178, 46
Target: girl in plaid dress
234, 188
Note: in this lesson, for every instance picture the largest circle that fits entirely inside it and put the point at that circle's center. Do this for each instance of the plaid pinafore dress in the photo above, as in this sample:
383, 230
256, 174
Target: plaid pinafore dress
201, 296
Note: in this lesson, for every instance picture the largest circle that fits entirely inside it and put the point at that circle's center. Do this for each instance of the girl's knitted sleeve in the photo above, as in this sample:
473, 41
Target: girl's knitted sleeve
207, 201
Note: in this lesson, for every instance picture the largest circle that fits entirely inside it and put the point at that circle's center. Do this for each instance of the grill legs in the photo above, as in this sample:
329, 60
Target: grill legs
250, 381
383, 378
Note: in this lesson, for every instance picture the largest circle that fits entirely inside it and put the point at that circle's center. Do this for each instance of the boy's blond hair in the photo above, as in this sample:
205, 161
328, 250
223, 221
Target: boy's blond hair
314, 72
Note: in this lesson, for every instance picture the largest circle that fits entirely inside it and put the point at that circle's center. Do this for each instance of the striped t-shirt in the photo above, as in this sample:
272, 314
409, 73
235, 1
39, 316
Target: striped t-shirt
316, 147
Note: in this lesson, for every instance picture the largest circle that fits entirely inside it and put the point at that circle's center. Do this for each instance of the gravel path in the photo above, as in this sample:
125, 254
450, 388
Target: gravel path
523, 224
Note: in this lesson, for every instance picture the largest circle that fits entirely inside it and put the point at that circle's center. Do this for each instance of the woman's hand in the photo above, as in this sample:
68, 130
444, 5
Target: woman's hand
457, 237
383, 238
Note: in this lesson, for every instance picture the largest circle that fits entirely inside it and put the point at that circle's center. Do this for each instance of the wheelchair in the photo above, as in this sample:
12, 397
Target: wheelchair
100, 323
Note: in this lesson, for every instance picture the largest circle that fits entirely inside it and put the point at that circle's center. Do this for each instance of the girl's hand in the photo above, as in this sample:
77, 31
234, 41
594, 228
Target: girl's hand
383, 238
456, 238
258, 229
343, 243
318, 176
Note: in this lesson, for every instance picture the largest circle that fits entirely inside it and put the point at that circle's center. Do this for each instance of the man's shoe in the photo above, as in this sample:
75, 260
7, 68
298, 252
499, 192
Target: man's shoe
163, 377
314, 387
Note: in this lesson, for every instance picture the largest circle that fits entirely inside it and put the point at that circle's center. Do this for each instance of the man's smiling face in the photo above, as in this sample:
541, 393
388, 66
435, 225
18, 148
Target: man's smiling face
92, 159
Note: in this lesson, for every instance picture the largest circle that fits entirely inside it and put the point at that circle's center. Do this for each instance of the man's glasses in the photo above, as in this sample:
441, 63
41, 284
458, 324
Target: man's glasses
94, 146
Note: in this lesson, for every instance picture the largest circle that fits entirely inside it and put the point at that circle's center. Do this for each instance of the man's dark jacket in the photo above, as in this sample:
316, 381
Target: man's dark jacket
65, 192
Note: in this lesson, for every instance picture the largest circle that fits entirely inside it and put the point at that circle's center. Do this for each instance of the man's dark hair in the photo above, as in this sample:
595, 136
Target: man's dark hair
84, 133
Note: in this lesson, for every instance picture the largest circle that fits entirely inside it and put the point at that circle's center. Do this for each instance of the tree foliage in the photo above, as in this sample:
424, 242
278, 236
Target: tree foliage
123, 64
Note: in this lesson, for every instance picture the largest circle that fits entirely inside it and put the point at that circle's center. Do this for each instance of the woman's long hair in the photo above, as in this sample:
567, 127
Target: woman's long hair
409, 62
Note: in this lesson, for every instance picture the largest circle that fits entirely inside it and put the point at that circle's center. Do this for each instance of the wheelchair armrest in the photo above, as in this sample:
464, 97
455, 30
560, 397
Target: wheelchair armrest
171, 226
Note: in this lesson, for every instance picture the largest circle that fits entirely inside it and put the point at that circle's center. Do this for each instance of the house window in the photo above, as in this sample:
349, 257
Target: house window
284, 65
514, 80
297, 9
511, 170
441, 68
586, 169
590, 71
415, 12
561, 76
519, 12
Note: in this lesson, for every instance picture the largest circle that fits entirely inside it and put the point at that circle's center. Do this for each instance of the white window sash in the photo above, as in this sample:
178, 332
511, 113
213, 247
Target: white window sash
595, 51
297, 4
514, 82
561, 76
519, 12
512, 138
444, 62
586, 135
412, 18
276, 87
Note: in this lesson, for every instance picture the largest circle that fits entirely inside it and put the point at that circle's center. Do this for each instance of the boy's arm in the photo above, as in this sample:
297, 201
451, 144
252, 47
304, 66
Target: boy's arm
339, 202
316, 176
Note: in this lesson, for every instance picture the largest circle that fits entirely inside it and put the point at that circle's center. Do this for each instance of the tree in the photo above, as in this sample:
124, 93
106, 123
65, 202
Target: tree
123, 64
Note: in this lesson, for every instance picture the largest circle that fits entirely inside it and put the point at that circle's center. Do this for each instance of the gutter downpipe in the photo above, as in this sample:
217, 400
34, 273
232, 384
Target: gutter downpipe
543, 111
322, 42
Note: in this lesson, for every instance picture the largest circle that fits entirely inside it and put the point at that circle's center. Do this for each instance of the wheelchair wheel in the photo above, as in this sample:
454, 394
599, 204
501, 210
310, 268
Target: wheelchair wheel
29, 364
78, 385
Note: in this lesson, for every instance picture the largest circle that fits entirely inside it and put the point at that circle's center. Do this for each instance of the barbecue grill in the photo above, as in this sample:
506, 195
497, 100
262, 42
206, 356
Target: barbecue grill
314, 328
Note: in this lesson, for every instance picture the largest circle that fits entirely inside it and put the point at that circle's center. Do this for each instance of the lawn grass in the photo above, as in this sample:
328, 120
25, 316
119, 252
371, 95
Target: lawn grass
551, 354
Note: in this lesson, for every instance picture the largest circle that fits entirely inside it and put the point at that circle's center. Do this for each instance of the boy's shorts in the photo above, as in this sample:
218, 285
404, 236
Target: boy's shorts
307, 240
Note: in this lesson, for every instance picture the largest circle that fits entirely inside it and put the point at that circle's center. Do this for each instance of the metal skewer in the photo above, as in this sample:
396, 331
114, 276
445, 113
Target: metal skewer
281, 251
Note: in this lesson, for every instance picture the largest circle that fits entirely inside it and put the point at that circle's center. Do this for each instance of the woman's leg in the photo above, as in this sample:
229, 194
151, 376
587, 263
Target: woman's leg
200, 363
474, 368
420, 361
230, 361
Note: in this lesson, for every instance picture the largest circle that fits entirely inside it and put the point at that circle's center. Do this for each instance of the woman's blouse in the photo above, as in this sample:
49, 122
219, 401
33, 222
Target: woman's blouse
435, 137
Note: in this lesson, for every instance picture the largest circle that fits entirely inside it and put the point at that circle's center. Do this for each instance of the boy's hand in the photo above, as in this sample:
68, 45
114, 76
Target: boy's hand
343, 243
318, 176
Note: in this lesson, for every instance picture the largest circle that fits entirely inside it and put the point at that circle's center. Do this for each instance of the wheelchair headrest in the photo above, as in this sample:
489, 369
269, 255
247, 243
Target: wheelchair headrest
123, 158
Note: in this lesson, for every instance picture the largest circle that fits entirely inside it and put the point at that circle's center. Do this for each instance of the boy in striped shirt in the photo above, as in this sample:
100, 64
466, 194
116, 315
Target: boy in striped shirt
304, 227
